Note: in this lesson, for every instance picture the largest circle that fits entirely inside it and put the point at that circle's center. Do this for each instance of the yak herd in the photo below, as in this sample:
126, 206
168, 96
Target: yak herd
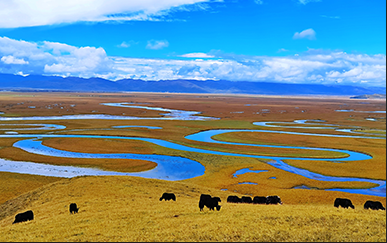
346, 203
255, 200
212, 203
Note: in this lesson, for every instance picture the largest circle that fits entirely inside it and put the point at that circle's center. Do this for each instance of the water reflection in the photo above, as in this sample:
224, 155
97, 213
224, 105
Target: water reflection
148, 127
41, 126
246, 170
360, 111
168, 167
247, 183
169, 115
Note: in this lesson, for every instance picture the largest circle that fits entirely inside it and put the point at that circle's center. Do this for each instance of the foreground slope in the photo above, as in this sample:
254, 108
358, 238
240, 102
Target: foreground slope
128, 209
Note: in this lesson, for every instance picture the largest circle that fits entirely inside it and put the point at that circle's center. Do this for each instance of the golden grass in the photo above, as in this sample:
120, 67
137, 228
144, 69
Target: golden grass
14, 184
128, 209
98, 145
375, 132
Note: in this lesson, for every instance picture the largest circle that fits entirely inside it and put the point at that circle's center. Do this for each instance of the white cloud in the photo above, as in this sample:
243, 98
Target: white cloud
197, 55
330, 17
83, 60
51, 58
19, 48
282, 50
313, 66
258, 1
127, 44
157, 44
308, 34
124, 44
22, 13
317, 69
307, 1
360, 73
21, 74
13, 60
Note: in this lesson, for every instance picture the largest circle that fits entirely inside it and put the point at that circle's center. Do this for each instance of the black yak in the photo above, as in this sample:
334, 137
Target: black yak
217, 198
245, 199
168, 196
73, 208
273, 200
343, 202
374, 205
26, 216
233, 199
259, 200
209, 202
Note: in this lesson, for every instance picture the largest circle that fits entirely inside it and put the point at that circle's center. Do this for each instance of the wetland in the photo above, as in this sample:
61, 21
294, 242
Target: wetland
184, 137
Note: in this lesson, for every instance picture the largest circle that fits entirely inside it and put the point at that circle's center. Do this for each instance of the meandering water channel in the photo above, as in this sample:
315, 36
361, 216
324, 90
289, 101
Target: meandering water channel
174, 167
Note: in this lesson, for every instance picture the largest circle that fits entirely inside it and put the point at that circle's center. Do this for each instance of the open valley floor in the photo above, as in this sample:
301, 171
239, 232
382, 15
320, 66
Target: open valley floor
115, 154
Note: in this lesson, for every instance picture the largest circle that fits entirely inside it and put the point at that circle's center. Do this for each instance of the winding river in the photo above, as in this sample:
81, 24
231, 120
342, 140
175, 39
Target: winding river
174, 167
168, 114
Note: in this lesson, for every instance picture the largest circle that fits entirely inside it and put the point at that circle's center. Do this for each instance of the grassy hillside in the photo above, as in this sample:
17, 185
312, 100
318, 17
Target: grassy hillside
128, 209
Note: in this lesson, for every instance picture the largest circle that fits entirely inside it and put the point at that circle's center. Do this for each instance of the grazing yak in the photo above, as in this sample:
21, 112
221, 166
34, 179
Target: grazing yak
26, 216
168, 196
217, 198
259, 200
374, 205
343, 202
209, 202
233, 199
273, 200
73, 208
246, 199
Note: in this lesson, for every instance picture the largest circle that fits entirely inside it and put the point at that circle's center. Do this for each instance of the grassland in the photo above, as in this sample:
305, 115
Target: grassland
127, 208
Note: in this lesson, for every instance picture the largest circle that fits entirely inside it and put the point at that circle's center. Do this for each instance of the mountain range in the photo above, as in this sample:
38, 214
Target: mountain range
55, 83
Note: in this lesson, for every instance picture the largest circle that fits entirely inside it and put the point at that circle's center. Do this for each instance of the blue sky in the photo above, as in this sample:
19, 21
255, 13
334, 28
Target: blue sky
293, 41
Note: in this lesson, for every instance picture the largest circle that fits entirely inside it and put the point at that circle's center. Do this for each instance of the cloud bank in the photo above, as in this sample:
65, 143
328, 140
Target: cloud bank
313, 66
12, 60
24, 13
197, 55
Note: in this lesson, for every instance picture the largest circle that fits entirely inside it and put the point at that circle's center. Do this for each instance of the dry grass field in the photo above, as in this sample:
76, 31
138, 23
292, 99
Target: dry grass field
115, 208
128, 209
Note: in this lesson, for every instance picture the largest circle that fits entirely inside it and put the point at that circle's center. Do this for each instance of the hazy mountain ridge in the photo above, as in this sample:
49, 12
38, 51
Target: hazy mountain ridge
373, 96
56, 83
